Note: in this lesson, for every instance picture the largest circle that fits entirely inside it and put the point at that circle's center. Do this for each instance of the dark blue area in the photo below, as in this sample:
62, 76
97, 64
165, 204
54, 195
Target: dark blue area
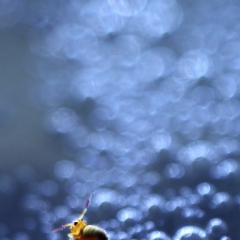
142, 99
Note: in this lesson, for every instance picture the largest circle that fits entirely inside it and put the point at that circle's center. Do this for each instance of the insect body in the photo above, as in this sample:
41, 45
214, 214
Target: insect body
81, 231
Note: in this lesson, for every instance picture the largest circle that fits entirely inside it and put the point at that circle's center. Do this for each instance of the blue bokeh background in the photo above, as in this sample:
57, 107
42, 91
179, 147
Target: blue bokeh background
133, 101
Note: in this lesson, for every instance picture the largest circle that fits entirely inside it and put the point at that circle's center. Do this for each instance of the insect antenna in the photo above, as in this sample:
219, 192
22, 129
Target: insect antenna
85, 208
80, 217
62, 227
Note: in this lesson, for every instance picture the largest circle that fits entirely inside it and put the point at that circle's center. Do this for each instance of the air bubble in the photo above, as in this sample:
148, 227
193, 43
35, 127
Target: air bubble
163, 17
222, 202
158, 235
174, 171
196, 150
192, 214
120, 236
176, 205
161, 140
129, 213
205, 191
225, 169
216, 228
190, 232
49, 188
62, 120
225, 238
47, 217
225, 86
104, 195
61, 211
193, 65
63, 169
72, 201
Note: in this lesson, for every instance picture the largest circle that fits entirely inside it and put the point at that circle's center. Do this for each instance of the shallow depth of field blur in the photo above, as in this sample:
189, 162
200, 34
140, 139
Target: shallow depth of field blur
133, 101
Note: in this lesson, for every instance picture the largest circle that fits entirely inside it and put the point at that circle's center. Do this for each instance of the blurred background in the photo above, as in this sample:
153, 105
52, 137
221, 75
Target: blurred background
133, 101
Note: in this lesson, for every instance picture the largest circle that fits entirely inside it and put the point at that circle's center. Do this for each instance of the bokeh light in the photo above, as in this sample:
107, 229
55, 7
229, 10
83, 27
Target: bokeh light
135, 102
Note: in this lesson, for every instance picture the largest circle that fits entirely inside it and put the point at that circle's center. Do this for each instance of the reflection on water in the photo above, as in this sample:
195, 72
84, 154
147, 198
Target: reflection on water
142, 100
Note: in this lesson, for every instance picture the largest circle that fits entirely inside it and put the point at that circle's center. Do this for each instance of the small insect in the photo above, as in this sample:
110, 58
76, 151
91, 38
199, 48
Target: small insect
81, 231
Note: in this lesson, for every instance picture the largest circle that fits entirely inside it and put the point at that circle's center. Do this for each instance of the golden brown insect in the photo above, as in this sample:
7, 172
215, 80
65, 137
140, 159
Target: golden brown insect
81, 231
